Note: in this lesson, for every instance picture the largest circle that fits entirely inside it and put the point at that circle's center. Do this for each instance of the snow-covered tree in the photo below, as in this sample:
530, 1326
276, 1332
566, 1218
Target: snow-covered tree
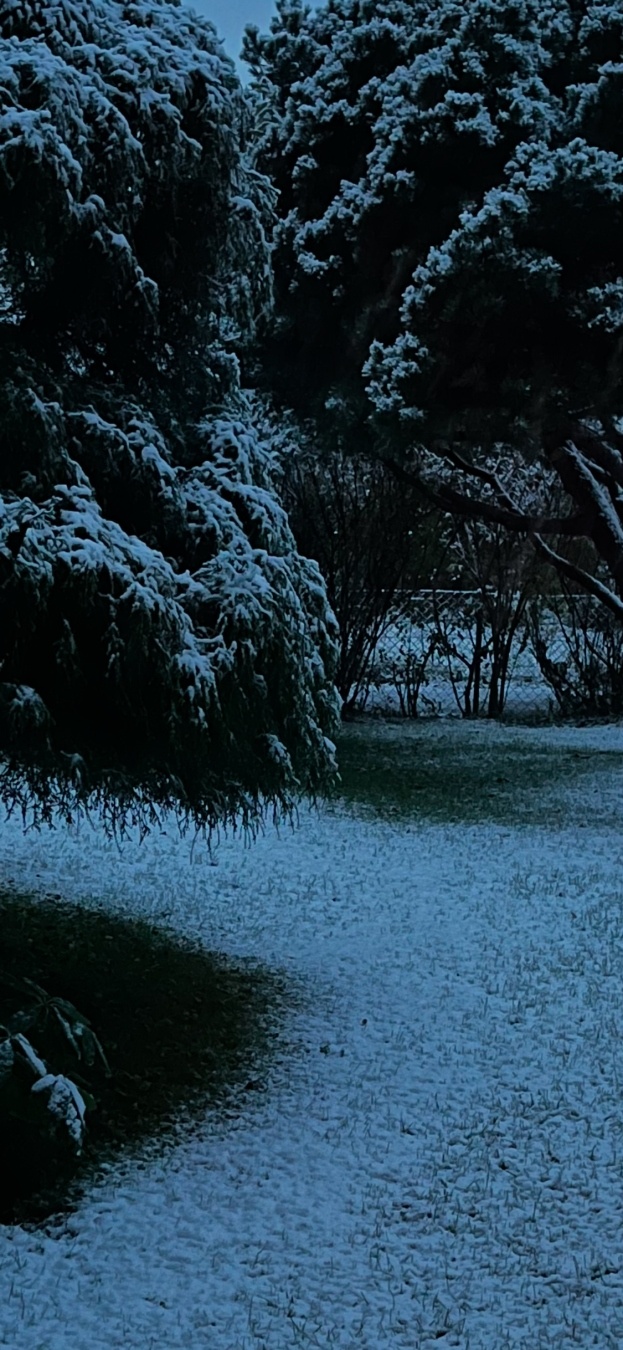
450, 248
161, 640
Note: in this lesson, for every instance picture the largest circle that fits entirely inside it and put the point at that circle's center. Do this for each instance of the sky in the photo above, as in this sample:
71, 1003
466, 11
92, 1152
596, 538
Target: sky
230, 17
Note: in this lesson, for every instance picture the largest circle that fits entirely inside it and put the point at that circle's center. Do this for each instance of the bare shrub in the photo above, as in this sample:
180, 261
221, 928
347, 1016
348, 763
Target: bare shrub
578, 645
369, 537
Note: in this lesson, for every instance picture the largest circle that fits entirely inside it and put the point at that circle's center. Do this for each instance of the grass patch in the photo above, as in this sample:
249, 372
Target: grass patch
179, 1025
457, 772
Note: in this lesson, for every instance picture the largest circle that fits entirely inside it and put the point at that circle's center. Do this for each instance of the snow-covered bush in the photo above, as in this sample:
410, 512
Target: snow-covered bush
49, 1106
161, 640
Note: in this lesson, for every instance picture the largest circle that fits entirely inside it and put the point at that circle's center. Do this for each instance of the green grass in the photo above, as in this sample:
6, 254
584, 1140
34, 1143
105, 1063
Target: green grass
179, 1025
456, 773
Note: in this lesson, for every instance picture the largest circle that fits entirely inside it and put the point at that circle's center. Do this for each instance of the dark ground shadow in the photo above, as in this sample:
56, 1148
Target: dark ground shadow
181, 1028
468, 774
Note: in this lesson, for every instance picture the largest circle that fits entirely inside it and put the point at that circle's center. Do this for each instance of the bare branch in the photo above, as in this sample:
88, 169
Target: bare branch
584, 579
579, 481
474, 508
596, 449
582, 484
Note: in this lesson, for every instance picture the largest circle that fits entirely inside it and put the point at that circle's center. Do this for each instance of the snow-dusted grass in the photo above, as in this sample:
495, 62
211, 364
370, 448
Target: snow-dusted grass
475, 771
436, 1152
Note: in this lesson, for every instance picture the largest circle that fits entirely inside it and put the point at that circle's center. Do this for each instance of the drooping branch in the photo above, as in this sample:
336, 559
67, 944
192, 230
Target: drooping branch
597, 518
458, 503
596, 449
582, 484
585, 579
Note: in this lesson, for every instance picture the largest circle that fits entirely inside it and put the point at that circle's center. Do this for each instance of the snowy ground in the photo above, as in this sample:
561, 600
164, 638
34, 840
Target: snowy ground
437, 1157
527, 694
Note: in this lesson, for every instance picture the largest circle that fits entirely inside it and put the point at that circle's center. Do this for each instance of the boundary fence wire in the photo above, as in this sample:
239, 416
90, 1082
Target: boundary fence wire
477, 654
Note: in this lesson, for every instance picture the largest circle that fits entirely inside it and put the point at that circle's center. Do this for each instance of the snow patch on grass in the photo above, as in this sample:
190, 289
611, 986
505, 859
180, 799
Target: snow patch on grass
434, 1156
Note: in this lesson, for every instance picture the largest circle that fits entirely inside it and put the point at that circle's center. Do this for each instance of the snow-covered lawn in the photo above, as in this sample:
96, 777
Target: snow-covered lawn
443, 687
437, 1155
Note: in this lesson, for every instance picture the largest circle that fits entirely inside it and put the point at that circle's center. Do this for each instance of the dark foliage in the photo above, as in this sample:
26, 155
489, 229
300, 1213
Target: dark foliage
449, 252
161, 640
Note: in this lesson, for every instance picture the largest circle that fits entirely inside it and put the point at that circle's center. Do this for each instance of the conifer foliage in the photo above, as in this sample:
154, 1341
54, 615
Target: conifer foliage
449, 256
161, 641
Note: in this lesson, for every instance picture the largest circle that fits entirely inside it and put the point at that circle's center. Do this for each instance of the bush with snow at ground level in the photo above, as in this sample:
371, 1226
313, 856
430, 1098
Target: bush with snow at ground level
43, 1111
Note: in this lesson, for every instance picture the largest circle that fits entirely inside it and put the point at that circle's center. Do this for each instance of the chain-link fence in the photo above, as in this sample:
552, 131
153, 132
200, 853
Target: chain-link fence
475, 654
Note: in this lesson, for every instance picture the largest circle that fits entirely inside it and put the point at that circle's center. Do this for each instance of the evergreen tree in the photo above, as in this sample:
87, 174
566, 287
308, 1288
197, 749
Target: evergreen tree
449, 256
161, 640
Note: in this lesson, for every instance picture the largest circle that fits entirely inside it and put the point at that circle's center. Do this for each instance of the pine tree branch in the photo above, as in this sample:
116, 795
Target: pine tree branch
582, 484
578, 574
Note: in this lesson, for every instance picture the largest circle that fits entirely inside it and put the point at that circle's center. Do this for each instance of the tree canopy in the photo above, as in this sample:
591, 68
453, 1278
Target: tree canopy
161, 640
449, 256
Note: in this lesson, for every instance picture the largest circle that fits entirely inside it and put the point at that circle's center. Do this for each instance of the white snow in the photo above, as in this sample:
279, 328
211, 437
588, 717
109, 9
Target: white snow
436, 1155
406, 645
65, 1103
30, 1055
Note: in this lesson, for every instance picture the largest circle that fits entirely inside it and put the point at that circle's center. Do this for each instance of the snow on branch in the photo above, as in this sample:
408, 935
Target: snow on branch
185, 670
161, 641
